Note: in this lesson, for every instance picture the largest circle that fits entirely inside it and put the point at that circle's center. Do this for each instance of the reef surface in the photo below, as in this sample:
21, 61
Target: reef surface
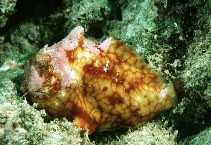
173, 37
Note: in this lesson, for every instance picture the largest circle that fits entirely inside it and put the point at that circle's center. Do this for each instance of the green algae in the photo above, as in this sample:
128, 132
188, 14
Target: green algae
7, 9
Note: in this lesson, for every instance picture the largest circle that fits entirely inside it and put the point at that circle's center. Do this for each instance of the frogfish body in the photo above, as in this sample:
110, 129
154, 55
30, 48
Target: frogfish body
98, 86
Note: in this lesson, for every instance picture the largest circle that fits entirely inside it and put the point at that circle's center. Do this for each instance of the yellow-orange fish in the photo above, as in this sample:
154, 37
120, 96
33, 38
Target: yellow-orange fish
99, 86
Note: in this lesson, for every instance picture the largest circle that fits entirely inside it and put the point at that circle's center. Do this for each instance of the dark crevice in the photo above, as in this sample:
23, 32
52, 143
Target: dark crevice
116, 10
185, 17
30, 10
188, 25
95, 31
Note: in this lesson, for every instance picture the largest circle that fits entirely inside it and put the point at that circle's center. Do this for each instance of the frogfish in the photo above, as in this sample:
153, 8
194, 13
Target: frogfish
100, 87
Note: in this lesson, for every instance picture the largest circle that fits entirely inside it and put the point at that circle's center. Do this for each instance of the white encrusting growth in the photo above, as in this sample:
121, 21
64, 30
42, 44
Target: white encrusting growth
71, 41
36, 80
163, 93
105, 44
106, 67
91, 46
84, 54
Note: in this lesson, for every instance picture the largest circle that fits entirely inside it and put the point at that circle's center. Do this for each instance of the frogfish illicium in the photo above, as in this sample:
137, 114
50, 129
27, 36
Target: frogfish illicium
97, 86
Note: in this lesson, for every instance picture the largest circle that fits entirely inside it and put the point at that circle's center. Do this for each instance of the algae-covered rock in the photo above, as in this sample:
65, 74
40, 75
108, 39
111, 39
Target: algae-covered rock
151, 133
203, 138
7, 8
193, 112
89, 12
19, 44
135, 23
23, 124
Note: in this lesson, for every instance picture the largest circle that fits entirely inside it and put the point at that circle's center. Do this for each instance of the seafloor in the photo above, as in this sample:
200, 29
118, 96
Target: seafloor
173, 37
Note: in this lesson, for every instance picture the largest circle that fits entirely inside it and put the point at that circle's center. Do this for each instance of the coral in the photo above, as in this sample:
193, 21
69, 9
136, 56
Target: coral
10, 64
20, 44
193, 111
192, 114
23, 124
89, 12
197, 65
151, 133
7, 8
102, 86
136, 24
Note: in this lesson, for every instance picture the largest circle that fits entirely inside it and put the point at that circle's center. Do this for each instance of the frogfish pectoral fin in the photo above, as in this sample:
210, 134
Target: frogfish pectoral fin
84, 121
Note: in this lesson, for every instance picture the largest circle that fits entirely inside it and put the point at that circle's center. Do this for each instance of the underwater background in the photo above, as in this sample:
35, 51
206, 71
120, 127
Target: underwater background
172, 36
